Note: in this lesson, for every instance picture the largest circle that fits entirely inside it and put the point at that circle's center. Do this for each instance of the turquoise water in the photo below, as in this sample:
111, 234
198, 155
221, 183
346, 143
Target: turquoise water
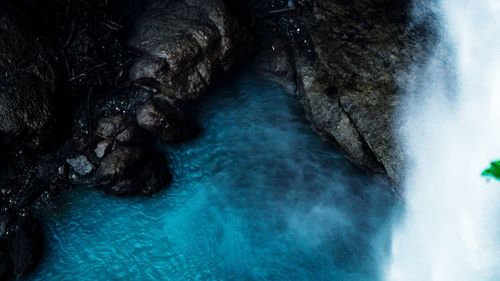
259, 196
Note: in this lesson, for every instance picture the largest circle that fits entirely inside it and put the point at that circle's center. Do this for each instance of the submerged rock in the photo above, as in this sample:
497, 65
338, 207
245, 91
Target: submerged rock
133, 171
27, 84
187, 44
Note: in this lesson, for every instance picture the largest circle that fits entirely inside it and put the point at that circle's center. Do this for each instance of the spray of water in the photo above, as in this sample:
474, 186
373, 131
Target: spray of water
451, 228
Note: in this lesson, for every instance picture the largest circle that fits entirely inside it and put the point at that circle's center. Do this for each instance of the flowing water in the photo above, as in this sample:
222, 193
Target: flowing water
451, 230
259, 196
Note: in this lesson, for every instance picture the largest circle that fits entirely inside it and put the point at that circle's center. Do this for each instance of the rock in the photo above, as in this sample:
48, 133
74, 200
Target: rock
101, 148
132, 170
123, 101
21, 243
187, 44
109, 127
348, 57
27, 85
123, 129
24, 242
5, 265
351, 92
162, 118
276, 60
80, 165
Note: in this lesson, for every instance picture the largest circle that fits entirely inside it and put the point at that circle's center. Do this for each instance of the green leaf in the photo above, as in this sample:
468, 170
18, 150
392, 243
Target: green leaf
493, 171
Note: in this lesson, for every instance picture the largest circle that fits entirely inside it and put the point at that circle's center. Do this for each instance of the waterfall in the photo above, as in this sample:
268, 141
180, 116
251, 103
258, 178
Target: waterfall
450, 230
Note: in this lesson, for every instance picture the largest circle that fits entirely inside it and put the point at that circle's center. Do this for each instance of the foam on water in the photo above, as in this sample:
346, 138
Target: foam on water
259, 196
451, 230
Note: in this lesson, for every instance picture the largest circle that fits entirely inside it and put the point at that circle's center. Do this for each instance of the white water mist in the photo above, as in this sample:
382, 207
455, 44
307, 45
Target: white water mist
451, 228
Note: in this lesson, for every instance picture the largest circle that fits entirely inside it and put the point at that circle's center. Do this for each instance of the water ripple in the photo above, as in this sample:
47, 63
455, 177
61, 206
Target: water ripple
259, 196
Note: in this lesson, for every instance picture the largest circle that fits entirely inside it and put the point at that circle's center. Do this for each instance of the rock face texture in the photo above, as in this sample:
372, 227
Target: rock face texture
347, 62
27, 84
187, 44
351, 93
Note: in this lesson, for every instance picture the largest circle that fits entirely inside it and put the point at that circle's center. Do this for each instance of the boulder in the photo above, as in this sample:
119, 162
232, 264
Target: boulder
351, 92
5, 265
25, 244
133, 171
123, 129
27, 84
162, 118
187, 44
21, 244
80, 165
348, 58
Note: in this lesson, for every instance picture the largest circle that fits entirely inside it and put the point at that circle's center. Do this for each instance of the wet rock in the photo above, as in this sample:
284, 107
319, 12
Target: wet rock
351, 91
5, 264
27, 84
348, 59
24, 242
276, 60
123, 101
188, 44
162, 118
6, 220
102, 148
80, 165
109, 127
133, 171
123, 129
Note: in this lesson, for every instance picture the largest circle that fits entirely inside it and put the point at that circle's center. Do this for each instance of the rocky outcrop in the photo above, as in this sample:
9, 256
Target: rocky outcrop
187, 44
27, 84
351, 93
348, 58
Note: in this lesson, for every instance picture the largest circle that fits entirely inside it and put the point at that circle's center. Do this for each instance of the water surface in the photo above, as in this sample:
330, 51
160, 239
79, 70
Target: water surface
259, 196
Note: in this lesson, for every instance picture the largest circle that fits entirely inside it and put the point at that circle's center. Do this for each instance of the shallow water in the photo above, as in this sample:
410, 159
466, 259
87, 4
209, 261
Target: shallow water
259, 196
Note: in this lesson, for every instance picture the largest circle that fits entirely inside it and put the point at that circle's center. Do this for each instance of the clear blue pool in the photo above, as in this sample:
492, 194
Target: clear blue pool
259, 196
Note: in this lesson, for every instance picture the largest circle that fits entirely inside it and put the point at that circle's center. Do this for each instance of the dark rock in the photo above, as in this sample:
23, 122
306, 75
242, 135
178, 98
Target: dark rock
123, 100
27, 84
187, 44
5, 264
7, 218
276, 59
80, 165
351, 91
348, 57
24, 242
109, 127
123, 129
131, 171
162, 118
24, 176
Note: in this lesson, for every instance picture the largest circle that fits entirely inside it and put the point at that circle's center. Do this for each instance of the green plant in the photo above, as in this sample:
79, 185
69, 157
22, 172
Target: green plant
493, 171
